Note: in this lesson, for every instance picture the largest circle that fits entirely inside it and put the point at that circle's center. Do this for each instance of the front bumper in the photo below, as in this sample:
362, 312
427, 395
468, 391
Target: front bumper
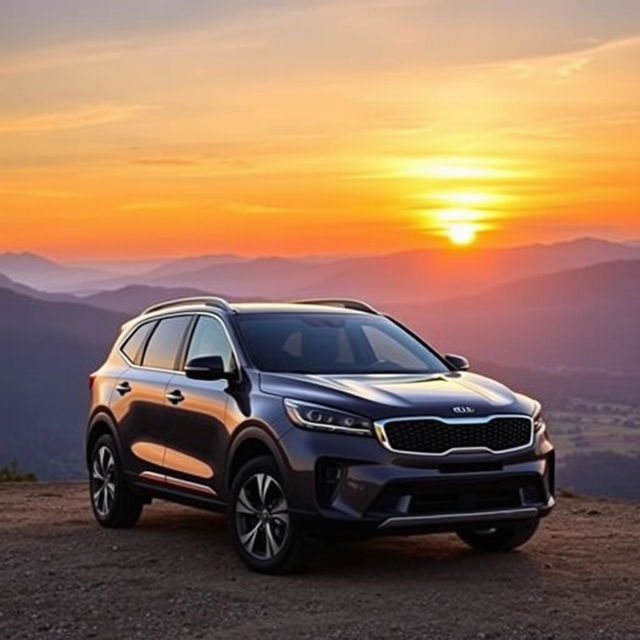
466, 518
344, 482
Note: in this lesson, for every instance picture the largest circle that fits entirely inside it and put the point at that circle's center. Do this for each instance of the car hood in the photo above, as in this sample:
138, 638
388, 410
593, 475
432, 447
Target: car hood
386, 395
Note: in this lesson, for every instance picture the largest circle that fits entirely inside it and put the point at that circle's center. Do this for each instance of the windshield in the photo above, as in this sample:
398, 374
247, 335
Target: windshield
334, 343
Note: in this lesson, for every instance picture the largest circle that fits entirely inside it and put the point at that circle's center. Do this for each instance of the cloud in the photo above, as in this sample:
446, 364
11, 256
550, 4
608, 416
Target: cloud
87, 117
151, 205
57, 194
44, 59
576, 65
170, 162
253, 208
564, 65
40, 192
565, 128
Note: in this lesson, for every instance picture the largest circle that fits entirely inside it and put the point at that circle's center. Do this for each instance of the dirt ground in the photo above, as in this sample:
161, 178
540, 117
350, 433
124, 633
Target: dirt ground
176, 576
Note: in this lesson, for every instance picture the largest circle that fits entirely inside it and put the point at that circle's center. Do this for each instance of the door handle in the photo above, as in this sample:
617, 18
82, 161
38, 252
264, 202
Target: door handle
175, 396
123, 388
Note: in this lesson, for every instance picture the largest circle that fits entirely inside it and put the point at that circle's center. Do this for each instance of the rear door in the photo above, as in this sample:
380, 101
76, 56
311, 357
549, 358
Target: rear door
196, 435
139, 401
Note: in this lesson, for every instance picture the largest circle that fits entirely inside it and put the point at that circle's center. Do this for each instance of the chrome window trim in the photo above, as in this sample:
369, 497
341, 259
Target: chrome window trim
379, 428
159, 318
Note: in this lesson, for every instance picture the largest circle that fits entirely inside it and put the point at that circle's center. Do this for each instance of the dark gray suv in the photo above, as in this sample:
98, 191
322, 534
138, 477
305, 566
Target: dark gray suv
316, 419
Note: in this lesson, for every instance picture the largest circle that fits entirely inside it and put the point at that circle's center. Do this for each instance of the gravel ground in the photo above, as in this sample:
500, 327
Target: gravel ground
175, 575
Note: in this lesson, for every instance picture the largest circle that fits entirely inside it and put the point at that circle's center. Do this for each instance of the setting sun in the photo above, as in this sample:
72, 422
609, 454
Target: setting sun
460, 225
462, 233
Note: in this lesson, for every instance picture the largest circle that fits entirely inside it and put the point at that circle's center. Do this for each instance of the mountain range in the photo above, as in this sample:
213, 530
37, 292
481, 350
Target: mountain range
587, 319
406, 277
48, 349
567, 330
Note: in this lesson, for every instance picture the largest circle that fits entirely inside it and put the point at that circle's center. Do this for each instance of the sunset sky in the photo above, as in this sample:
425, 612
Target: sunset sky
158, 128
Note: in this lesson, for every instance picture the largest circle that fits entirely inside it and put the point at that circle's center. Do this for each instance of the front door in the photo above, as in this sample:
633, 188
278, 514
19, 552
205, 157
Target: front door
196, 437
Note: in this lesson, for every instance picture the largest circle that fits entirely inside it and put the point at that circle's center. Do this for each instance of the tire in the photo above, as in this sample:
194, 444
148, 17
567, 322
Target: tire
263, 533
113, 503
501, 538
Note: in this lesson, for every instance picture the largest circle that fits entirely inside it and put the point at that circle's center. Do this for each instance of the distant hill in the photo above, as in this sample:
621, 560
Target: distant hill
409, 277
17, 287
134, 298
585, 318
48, 350
405, 277
129, 272
42, 273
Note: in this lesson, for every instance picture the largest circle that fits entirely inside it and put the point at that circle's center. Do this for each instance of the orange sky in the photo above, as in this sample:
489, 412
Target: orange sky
316, 127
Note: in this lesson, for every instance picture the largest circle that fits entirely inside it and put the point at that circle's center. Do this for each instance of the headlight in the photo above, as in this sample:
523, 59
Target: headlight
538, 421
315, 416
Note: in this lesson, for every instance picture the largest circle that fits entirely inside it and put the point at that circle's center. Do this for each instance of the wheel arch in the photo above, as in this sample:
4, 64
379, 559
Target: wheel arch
251, 442
101, 423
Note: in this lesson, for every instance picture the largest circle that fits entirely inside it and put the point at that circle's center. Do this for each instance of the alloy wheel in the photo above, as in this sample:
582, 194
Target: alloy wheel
103, 489
262, 519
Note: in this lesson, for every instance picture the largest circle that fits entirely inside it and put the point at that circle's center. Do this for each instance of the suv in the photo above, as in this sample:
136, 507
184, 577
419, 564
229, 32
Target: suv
314, 419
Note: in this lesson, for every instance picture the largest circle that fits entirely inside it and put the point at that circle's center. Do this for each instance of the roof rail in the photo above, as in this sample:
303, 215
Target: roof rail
208, 301
345, 303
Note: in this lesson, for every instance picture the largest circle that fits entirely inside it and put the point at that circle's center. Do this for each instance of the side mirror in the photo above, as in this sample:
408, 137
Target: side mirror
459, 363
206, 368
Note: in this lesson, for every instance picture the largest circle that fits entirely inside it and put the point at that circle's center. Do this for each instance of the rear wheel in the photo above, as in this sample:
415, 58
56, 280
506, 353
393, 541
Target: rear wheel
113, 503
501, 538
262, 530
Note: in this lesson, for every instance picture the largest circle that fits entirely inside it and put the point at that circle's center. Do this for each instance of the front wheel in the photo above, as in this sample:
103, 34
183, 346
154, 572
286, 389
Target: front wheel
262, 530
113, 503
501, 538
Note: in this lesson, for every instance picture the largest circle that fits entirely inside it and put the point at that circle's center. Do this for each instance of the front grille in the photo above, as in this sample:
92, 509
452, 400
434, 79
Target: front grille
430, 435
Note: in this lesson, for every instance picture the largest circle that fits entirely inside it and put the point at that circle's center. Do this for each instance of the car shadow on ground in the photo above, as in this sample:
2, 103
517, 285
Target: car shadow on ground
387, 557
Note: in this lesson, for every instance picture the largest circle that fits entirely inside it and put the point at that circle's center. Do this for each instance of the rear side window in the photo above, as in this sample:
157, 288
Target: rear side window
164, 344
132, 348
210, 339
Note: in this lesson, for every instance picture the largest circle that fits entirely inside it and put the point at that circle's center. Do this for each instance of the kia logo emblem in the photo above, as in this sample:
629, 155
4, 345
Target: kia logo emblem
463, 410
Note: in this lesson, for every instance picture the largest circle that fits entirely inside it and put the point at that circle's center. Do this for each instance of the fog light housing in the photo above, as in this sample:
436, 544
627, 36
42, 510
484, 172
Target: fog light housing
329, 474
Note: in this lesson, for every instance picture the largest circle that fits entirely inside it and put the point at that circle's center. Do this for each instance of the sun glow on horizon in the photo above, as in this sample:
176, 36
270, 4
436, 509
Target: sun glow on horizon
462, 233
461, 215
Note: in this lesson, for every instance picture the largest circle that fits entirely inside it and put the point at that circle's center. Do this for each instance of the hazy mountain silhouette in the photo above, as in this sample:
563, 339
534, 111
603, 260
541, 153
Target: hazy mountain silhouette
586, 318
156, 274
399, 277
48, 350
134, 298
42, 273
406, 277
17, 287
12, 285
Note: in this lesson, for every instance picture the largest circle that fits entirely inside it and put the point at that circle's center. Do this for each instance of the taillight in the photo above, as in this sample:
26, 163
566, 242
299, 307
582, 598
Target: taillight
92, 377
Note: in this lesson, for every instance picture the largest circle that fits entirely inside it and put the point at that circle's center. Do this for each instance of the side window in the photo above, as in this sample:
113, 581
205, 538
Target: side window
385, 348
132, 348
209, 339
162, 348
